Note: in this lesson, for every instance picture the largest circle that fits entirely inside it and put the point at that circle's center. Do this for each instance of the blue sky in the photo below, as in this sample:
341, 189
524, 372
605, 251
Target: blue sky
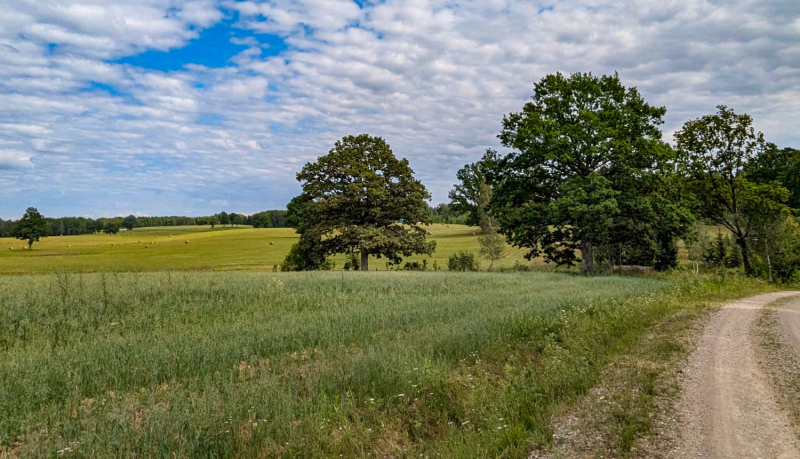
113, 107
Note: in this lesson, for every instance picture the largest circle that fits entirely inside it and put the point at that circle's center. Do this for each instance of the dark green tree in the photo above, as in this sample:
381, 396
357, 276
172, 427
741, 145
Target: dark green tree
361, 198
261, 220
466, 196
32, 227
581, 147
129, 222
716, 151
224, 218
782, 166
111, 228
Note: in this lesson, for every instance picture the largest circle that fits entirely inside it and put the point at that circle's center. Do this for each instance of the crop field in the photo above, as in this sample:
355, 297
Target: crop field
256, 364
200, 248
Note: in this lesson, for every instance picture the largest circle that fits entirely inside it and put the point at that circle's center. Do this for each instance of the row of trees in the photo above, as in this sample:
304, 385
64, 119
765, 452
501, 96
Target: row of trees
70, 226
588, 180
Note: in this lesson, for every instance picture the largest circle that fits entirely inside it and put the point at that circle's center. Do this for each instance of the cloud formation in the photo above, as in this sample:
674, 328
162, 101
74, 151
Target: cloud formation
84, 132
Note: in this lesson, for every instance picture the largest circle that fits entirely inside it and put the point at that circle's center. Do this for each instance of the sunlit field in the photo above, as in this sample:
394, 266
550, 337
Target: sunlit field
201, 248
256, 364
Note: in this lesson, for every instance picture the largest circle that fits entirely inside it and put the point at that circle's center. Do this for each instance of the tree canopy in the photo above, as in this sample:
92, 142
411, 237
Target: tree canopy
31, 227
361, 198
716, 151
584, 154
468, 194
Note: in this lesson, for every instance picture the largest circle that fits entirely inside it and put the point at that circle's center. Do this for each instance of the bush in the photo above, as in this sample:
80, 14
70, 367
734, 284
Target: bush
306, 255
462, 261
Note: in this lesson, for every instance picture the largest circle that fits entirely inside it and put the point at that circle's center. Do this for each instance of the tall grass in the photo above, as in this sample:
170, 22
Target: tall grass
304, 365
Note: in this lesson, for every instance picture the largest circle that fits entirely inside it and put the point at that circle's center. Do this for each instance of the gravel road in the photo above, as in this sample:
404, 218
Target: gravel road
728, 407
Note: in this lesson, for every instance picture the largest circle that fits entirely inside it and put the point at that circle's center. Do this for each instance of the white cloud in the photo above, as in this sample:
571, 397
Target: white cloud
434, 77
11, 159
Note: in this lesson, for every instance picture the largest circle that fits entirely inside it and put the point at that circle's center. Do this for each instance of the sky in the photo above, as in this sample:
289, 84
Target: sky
191, 107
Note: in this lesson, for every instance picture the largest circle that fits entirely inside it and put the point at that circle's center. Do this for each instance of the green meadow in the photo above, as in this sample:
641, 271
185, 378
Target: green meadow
200, 248
198, 349
312, 364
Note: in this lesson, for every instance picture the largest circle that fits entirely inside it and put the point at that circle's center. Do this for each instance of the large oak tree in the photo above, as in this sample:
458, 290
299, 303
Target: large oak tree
361, 198
580, 149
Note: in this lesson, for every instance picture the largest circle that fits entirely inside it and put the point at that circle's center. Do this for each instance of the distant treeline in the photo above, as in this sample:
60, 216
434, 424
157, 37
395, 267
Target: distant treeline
446, 214
69, 226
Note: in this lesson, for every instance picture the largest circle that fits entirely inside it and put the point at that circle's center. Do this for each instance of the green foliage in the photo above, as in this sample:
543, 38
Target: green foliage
307, 254
31, 227
361, 198
469, 195
352, 262
781, 166
776, 244
111, 228
129, 222
463, 261
446, 214
261, 220
716, 151
722, 253
587, 157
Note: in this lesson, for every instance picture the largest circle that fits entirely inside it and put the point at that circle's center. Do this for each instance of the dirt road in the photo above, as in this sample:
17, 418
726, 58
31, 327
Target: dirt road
789, 316
728, 407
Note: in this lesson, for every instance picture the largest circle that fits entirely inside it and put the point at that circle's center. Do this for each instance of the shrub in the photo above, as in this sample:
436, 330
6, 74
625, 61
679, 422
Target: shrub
462, 261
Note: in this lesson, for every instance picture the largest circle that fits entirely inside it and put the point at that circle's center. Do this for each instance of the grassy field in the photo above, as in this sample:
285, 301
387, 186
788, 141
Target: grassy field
111, 349
219, 249
302, 365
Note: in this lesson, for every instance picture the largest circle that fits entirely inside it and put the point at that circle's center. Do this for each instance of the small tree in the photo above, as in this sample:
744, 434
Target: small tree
462, 261
493, 245
111, 228
32, 227
129, 222
469, 195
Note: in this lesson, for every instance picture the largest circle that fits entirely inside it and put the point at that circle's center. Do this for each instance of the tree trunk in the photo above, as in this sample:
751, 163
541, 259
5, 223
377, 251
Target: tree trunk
587, 259
742, 242
364, 260
30, 244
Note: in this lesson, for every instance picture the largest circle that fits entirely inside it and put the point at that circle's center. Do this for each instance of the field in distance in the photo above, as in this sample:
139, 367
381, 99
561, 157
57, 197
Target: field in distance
200, 248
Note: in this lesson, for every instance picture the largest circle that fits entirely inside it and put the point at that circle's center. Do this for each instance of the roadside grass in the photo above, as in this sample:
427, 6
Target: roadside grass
244, 364
631, 411
779, 359
220, 249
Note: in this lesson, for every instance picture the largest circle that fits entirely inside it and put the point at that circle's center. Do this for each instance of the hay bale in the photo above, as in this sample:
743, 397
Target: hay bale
11, 248
271, 243
185, 242
69, 246
147, 247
